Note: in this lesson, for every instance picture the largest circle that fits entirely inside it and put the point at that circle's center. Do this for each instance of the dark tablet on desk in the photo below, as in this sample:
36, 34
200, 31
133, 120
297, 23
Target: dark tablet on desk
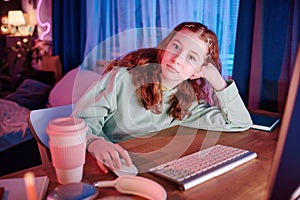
263, 122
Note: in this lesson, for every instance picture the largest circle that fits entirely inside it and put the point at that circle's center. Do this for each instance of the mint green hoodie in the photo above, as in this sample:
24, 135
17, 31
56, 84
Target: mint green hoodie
111, 110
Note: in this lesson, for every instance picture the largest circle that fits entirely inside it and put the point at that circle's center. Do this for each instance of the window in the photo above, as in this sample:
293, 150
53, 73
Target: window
121, 17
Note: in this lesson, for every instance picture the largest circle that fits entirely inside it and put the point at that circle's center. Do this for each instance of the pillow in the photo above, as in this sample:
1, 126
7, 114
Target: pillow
31, 94
71, 87
46, 77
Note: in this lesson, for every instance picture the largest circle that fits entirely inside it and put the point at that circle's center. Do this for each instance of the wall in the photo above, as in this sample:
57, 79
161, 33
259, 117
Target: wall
45, 15
5, 6
30, 7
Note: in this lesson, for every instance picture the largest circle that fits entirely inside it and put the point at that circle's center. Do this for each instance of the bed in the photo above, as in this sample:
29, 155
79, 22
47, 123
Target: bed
18, 147
13, 126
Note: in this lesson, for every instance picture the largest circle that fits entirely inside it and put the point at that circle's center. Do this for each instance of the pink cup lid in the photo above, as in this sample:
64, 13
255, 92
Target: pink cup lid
66, 124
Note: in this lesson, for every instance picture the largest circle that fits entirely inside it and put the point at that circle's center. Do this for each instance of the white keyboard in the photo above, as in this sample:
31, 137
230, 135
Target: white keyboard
193, 169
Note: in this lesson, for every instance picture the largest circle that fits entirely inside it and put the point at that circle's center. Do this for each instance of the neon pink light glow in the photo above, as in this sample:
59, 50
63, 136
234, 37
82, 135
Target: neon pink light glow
45, 24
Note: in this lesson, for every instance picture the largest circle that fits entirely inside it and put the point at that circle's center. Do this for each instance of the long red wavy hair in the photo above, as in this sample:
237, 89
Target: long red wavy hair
144, 65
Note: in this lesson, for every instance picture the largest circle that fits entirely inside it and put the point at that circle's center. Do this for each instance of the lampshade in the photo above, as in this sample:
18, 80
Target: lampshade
16, 18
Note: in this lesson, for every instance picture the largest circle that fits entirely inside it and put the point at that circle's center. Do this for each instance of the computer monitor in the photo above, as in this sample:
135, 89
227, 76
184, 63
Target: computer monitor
285, 173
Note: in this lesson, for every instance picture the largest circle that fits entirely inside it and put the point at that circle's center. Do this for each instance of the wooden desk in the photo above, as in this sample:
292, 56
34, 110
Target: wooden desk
248, 181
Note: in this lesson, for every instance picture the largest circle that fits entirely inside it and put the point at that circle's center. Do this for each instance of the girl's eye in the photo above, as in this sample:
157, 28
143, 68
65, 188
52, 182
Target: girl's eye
175, 47
191, 58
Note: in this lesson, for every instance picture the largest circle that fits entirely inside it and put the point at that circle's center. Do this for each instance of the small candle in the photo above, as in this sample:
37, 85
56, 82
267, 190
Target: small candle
30, 186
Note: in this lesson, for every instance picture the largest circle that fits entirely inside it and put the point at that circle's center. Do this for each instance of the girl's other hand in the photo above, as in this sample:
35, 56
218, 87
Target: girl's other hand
108, 155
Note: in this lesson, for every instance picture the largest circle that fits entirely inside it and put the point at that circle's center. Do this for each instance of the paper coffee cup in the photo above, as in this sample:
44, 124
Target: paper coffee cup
65, 176
67, 142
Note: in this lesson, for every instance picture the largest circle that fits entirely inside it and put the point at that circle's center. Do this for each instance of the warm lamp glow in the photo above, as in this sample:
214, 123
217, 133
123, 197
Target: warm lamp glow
16, 18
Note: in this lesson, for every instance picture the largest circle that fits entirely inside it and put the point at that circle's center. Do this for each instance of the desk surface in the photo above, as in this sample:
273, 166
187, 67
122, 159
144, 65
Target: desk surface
248, 181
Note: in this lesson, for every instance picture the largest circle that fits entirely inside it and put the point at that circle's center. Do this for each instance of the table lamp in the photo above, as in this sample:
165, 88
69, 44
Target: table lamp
16, 18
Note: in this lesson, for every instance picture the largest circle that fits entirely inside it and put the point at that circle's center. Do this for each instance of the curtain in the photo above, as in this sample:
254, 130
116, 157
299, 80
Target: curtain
102, 30
267, 39
68, 30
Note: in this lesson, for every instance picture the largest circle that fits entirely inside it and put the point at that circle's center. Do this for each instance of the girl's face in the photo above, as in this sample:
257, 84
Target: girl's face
183, 57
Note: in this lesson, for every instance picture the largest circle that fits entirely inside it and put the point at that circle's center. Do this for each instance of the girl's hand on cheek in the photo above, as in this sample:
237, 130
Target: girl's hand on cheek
213, 76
